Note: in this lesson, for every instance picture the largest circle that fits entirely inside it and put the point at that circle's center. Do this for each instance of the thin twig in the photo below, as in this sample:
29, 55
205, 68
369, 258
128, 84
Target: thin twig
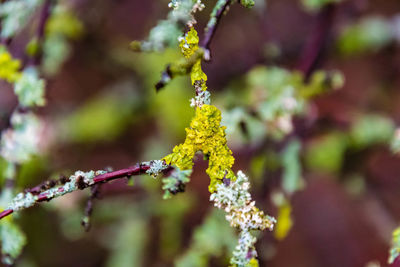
220, 7
312, 52
40, 33
86, 221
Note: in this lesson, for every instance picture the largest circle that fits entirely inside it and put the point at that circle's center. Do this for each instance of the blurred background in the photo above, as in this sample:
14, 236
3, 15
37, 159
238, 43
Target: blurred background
327, 172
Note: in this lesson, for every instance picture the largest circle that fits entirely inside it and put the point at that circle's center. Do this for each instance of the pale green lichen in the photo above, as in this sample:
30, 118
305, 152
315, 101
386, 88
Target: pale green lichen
166, 33
12, 241
21, 141
245, 252
30, 88
15, 15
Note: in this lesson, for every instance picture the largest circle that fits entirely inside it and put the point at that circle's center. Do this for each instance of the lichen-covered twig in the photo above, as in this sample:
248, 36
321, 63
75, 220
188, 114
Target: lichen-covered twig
184, 67
79, 181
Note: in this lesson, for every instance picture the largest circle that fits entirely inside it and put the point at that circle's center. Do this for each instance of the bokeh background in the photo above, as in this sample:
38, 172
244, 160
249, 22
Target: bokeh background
102, 111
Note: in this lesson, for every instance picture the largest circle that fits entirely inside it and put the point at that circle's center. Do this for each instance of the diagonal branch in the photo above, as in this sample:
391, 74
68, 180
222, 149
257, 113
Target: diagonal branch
79, 181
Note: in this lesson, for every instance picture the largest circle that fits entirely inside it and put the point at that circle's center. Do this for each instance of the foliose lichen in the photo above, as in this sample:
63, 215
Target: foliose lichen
207, 135
9, 67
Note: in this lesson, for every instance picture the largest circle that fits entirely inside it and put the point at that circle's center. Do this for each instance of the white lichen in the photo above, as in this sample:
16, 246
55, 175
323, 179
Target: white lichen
26, 200
234, 198
203, 98
245, 249
156, 167
23, 201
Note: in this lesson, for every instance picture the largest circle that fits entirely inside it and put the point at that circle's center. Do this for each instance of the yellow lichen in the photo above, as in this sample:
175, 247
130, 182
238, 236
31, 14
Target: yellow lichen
205, 134
9, 67
253, 263
189, 45
285, 221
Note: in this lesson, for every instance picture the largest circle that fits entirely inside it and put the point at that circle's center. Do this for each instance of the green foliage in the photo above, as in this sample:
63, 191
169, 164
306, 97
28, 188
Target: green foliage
101, 118
367, 35
169, 104
128, 243
326, 153
172, 219
213, 238
315, 5
276, 96
247, 3
371, 129
292, 180
62, 26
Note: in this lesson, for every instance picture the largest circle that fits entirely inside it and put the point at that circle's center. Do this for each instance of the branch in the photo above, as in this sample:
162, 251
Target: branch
317, 41
219, 9
182, 68
79, 181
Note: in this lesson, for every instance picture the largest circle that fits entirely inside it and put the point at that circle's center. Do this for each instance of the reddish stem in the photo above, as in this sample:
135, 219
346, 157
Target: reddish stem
5, 213
102, 178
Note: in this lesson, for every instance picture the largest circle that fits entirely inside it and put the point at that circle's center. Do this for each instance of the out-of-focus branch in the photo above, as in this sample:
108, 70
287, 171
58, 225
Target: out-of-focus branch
86, 221
220, 7
79, 181
40, 33
312, 52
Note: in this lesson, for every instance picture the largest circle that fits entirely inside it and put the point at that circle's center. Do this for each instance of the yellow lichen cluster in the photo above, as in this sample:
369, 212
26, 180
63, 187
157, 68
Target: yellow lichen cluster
207, 135
189, 45
9, 67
